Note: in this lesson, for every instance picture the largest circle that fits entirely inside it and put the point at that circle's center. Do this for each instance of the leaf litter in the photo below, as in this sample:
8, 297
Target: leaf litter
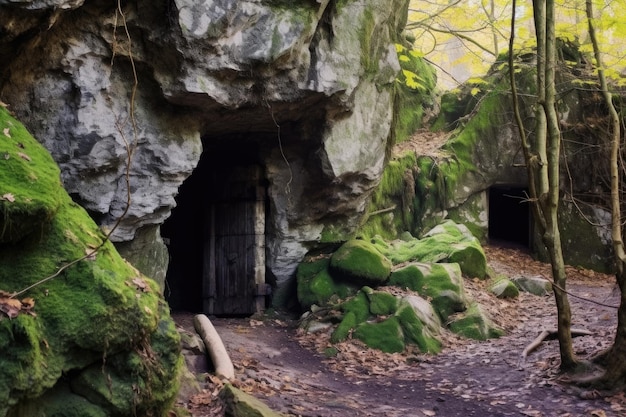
467, 378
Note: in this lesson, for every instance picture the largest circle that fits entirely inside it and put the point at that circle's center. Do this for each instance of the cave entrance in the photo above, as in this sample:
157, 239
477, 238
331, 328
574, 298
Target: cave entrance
216, 235
509, 216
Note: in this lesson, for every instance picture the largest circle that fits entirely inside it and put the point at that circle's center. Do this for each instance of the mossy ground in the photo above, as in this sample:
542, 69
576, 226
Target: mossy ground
91, 313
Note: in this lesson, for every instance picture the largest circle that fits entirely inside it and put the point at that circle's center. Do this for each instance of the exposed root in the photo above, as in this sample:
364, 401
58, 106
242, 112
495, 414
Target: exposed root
551, 334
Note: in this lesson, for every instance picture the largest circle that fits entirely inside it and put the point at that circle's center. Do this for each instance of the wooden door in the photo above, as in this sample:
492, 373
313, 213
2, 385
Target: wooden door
234, 244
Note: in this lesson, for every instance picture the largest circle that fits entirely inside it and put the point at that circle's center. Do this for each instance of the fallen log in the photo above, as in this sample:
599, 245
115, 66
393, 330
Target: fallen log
214, 346
550, 334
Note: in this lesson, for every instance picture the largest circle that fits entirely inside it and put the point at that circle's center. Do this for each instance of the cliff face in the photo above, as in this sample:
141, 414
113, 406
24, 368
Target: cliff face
303, 90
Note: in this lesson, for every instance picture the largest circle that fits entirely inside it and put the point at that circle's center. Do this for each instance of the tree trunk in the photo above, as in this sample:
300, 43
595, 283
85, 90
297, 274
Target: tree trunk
615, 359
548, 178
539, 148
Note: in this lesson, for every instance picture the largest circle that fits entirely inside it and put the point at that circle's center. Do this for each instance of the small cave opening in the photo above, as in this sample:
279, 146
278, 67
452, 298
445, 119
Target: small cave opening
509, 216
216, 232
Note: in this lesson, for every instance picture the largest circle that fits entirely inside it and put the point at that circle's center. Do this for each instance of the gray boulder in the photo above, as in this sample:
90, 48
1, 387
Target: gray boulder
533, 284
504, 288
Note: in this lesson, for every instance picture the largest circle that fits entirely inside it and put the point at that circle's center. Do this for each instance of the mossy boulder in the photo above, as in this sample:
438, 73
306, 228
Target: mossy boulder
474, 323
315, 284
98, 320
420, 324
464, 248
384, 322
360, 262
504, 288
359, 305
342, 331
381, 303
441, 283
448, 242
383, 335
241, 404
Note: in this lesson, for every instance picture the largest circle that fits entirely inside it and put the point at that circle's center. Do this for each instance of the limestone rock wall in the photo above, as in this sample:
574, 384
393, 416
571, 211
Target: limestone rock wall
310, 83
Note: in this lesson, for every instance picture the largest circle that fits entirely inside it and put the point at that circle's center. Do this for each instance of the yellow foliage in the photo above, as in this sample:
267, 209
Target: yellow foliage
464, 37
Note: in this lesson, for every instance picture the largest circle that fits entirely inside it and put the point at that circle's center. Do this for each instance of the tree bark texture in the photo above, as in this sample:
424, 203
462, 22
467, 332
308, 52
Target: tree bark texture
616, 357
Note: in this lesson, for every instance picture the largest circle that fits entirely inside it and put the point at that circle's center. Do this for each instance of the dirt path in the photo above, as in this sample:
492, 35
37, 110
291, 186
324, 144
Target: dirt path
289, 371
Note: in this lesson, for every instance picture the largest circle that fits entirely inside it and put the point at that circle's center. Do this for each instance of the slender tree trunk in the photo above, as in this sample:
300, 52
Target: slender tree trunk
615, 359
548, 178
539, 148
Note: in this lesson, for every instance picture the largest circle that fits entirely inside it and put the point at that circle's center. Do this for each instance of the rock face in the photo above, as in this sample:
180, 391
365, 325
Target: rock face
303, 87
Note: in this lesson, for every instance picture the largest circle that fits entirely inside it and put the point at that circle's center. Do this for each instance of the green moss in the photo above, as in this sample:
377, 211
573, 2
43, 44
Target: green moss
504, 288
316, 285
474, 324
359, 305
342, 330
448, 244
381, 303
240, 404
415, 331
334, 233
127, 379
410, 277
307, 270
473, 214
360, 262
385, 335
60, 401
396, 191
414, 94
441, 283
331, 352
30, 186
92, 310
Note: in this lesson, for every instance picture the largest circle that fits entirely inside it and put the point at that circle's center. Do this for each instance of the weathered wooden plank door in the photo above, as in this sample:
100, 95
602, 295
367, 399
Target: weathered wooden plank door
234, 244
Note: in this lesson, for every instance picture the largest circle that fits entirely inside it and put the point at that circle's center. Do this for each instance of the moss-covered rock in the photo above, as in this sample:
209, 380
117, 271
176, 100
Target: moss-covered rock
395, 197
98, 315
343, 329
420, 324
504, 288
241, 404
381, 303
315, 284
359, 305
447, 242
441, 283
474, 324
385, 335
465, 249
29, 182
360, 262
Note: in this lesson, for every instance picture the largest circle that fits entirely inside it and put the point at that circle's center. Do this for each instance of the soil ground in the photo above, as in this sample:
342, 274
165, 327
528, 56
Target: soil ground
288, 370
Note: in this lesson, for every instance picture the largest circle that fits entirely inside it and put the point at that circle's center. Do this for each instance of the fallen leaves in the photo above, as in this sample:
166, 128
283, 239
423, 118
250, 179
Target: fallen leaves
24, 156
12, 307
139, 284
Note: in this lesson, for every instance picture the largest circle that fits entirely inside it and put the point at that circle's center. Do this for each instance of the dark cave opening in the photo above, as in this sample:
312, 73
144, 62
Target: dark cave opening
509, 216
214, 201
